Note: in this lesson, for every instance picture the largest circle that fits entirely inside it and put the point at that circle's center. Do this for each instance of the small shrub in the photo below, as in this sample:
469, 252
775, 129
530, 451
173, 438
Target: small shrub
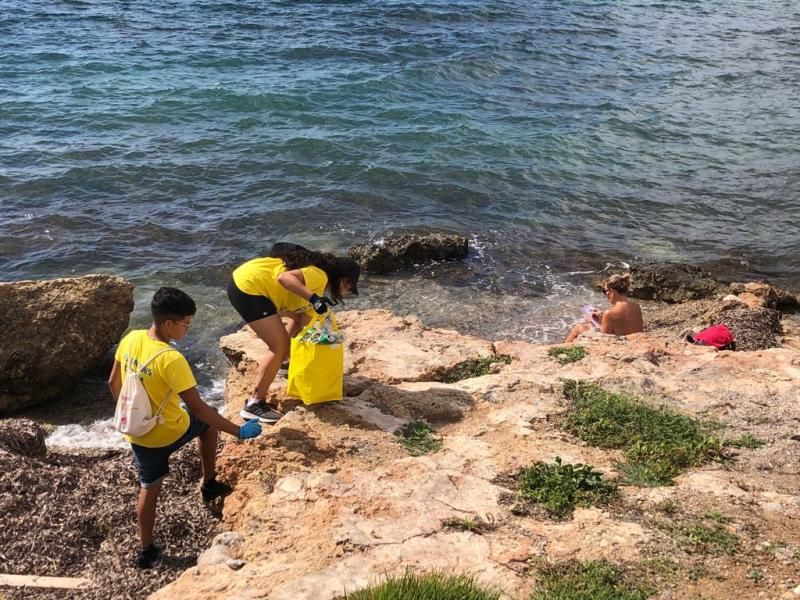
705, 539
474, 367
745, 441
471, 524
567, 354
560, 488
717, 517
429, 586
588, 581
417, 438
658, 443
668, 506
755, 575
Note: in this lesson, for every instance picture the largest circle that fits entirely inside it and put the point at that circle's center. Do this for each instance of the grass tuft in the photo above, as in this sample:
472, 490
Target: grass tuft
598, 580
560, 488
567, 354
658, 443
418, 438
472, 524
474, 367
746, 441
429, 586
707, 539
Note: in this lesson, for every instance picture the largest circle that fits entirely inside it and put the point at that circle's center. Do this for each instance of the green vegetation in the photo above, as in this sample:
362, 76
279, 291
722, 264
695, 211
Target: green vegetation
746, 441
567, 354
668, 506
707, 539
474, 367
417, 438
560, 488
472, 524
588, 581
658, 443
717, 517
429, 586
755, 575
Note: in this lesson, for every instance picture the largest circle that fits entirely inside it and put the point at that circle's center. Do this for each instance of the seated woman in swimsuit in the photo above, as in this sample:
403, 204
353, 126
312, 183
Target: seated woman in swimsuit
623, 318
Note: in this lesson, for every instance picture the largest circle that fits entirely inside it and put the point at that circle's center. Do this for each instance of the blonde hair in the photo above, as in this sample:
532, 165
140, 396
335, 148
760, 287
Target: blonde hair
619, 283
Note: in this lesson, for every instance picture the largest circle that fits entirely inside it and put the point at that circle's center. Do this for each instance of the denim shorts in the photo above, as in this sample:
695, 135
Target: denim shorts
153, 463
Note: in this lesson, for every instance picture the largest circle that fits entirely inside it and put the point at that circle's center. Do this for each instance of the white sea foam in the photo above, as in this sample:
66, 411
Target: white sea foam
100, 434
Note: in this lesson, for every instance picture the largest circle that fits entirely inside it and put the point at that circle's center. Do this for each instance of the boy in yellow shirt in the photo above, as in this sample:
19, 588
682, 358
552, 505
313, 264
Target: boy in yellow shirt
168, 380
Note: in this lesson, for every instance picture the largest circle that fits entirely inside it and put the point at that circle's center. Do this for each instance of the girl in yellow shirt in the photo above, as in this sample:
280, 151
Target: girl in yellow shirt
290, 285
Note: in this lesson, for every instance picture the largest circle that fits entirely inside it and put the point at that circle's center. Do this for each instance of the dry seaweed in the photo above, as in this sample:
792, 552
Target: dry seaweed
73, 515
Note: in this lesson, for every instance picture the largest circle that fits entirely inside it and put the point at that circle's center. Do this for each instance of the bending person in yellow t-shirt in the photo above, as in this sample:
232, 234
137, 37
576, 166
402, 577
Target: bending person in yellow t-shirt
168, 379
264, 289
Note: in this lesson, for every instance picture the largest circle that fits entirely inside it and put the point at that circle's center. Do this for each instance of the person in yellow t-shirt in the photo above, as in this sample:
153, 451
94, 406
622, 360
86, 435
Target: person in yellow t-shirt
289, 285
168, 379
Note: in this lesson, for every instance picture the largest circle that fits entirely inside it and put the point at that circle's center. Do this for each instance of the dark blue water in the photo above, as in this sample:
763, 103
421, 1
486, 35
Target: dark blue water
168, 141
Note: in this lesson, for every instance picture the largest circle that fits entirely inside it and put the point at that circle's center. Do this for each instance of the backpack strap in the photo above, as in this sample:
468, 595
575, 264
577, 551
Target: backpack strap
169, 391
152, 358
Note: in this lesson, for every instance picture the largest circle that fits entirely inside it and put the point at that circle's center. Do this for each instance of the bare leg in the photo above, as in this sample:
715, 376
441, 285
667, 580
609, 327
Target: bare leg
146, 512
576, 331
207, 441
272, 332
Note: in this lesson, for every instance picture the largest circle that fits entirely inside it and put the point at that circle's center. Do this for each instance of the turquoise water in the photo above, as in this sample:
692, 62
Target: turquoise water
168, 141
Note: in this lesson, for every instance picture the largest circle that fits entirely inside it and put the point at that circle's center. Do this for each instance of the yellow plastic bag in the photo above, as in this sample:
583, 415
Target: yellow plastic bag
316, 362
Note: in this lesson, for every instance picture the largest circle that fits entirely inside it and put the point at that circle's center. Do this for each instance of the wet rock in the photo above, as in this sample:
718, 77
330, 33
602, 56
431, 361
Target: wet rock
672, 282
55, 331
403, 251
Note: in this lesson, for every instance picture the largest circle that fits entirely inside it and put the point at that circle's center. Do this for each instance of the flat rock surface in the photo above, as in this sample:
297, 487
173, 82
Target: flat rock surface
327, 501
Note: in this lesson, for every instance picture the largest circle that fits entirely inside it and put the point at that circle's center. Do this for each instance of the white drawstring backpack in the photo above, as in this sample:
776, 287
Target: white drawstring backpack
133, 415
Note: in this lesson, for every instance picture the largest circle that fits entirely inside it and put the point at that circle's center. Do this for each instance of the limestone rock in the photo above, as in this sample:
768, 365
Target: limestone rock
763, 295
328, 501
403, 251
60, 329
672, 282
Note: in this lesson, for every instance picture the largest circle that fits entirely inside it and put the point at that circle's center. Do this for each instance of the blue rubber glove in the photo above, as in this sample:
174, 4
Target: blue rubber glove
320, 303
249, 430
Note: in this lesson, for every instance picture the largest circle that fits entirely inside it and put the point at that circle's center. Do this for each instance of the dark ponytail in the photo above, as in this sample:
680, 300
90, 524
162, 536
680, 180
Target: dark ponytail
297, 257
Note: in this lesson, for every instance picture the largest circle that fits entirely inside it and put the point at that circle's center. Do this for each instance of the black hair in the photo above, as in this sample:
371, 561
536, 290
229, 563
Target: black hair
297, 257
171, 303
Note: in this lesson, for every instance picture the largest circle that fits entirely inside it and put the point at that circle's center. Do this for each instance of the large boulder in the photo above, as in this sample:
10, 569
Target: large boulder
672, 282
403, 251
55, 331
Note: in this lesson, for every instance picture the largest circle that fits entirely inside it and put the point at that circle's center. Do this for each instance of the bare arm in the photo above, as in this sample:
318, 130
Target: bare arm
295, 283
115, 380
206, 414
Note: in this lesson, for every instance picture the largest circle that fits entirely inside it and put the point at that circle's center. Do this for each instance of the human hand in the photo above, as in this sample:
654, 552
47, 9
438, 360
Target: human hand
320, 304
249, 430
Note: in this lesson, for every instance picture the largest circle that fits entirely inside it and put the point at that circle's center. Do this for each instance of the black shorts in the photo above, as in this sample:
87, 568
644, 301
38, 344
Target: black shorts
251, 308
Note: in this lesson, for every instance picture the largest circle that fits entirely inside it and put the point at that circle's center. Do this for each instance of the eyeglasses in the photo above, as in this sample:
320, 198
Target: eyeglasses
186, 324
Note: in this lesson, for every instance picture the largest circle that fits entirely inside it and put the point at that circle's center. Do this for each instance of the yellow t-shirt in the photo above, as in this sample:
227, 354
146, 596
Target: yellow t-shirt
259, 277
169, 373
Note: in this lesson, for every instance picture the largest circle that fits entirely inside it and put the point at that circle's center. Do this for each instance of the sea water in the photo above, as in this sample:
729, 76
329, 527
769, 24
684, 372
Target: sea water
169, 141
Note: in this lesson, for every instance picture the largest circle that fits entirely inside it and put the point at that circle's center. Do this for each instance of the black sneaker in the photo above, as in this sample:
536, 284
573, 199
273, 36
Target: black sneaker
266, 413
147, 556
214, 489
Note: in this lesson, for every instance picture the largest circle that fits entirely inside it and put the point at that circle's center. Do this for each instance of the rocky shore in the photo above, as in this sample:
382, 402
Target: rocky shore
335, 497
